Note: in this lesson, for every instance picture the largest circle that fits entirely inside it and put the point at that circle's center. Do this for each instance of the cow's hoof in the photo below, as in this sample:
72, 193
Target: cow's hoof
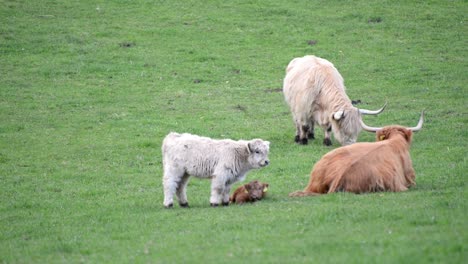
225, 203
297, 139
214, 204
304, 141
184, 205
169, 206
311, 136
327, 142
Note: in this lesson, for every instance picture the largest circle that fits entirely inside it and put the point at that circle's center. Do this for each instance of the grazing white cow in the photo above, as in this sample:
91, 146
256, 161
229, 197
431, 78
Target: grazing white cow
315, 93
223, 161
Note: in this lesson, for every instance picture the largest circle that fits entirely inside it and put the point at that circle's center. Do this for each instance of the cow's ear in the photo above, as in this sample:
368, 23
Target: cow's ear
249, 147
408, 135
381, 135
338, 115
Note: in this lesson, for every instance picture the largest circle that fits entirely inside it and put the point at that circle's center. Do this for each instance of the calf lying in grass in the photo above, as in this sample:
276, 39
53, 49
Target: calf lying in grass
250, 192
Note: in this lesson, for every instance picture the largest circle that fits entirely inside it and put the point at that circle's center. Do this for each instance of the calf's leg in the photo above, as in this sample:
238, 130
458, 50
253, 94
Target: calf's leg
181, 191
171, 179
225, 198
217, 190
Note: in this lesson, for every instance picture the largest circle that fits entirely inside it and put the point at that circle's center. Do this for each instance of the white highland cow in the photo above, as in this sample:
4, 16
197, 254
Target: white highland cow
223, 161
315, 93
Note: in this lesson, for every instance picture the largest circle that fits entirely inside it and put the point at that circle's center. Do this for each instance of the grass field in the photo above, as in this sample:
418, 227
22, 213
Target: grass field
88, 90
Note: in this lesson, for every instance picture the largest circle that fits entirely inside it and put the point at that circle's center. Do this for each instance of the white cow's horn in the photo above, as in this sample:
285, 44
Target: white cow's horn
369, 128
371, 112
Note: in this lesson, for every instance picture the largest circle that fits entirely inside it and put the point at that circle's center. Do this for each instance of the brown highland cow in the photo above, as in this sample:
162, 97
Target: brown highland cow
384, 165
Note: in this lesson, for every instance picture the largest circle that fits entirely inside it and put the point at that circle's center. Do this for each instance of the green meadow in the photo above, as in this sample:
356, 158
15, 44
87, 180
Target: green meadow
89, 89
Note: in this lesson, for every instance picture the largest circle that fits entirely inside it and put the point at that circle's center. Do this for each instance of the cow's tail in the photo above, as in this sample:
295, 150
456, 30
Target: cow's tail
303, 194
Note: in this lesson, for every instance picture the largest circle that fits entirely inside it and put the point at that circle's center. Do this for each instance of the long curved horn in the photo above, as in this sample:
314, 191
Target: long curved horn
371, 112
369, 128
419, 125
375, 129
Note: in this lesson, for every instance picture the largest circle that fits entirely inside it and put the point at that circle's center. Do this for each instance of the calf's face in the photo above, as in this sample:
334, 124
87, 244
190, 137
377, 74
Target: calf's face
256, 190
258, 153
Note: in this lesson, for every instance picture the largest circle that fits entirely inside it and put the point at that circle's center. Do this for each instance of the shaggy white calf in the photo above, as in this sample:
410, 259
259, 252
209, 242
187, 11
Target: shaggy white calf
223, 161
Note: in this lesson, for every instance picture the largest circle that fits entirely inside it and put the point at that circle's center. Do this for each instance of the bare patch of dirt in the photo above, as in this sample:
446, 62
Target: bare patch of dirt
126, 44
273, 90
240, 108
312, 42
374, 20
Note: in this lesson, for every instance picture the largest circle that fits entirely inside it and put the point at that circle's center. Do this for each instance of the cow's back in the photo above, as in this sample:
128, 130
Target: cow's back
351, 168
370, 167
308, 79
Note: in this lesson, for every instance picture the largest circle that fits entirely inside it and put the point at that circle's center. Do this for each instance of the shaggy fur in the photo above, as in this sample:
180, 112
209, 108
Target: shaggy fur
250, 192
315, 93
384, 165
223, 161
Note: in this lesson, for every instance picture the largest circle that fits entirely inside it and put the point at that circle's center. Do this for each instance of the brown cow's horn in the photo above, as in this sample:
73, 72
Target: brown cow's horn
371, 112
375, 129
369, 128
420, 123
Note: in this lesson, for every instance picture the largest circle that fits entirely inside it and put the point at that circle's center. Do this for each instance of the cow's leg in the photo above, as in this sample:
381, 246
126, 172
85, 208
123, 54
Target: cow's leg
310, 134
304, 134
297, 138
410, 176
302, 129
181, 191
398, 188
402, 179
171, 179
327, 140
217, 190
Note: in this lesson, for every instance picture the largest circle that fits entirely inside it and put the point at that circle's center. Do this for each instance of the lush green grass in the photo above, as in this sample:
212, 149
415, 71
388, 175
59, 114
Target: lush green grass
88, 89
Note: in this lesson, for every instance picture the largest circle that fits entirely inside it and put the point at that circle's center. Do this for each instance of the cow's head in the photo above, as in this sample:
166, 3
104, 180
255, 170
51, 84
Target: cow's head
256, 190
346, 124
388, 132
258, 153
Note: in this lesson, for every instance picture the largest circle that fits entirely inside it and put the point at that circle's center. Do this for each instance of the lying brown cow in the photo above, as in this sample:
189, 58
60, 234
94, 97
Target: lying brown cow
250, 192
384, 165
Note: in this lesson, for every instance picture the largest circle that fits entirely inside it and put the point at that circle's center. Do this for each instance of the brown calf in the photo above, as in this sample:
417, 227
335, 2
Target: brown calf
250, 192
